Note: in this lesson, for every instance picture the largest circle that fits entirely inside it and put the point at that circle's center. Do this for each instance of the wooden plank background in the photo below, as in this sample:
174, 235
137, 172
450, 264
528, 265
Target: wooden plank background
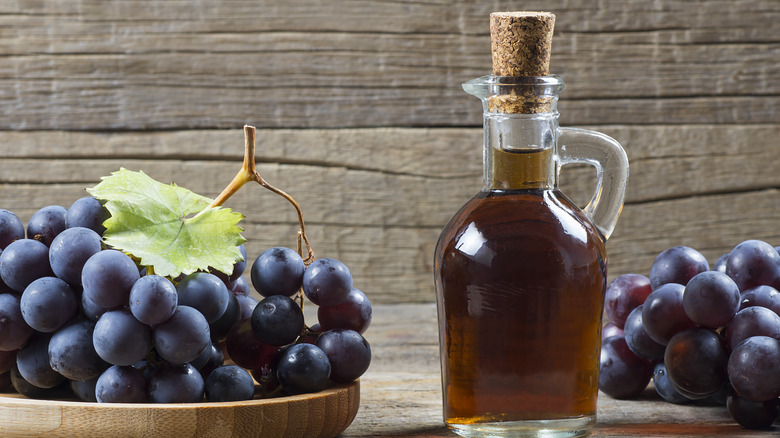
362, 119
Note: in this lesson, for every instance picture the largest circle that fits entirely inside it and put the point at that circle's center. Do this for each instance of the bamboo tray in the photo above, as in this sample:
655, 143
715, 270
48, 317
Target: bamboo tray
324, 414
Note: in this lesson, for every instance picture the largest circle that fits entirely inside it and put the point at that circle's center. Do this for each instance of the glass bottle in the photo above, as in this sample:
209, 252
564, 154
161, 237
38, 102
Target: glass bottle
520, 272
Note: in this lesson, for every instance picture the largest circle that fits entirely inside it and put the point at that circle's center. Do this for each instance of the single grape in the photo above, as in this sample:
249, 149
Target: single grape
229, 383
663, 314
303, 368
29, 390
240, 286
87, 212
752, 414
4, 288
754, 263
762, 296
695, 361
720, 264
204, 292
84, 390
610, 329
711, 299
348, 352
121, 384
327, 282
247, 304
24, 261
32, 362
176, 384
72, 354
354, 313
245, 349
277, 271
70, 250
637, 338
221, 327
107, 278
14, 331
664, 387
754, 368
11, 228
622, 374
182, 337
753, 321
153, 299
677, 265
624, 294
120, 339
277, 320
48, 303
46, 223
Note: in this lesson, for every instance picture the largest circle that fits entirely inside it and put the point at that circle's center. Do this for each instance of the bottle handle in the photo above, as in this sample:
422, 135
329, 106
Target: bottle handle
611, 163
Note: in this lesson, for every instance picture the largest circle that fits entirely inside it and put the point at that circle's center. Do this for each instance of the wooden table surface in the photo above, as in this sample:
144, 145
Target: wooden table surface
401, 392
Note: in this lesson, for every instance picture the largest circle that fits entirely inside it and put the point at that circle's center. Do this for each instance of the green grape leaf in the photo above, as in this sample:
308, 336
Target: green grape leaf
160, 224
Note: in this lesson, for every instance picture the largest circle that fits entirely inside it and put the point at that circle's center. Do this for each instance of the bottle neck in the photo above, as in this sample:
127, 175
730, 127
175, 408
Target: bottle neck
519, 151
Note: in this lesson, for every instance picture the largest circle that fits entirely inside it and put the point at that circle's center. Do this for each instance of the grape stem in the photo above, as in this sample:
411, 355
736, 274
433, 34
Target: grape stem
249, 173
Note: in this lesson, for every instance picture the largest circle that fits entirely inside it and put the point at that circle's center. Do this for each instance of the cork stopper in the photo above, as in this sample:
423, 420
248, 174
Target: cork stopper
521, 45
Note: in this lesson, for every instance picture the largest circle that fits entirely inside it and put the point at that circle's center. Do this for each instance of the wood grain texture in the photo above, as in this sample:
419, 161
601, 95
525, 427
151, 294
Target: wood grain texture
325, 414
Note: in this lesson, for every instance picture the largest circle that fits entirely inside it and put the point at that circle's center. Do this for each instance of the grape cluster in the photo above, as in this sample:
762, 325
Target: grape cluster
77, 317
699, 332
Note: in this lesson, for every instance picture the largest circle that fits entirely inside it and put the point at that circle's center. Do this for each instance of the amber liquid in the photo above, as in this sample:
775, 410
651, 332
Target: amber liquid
520, 277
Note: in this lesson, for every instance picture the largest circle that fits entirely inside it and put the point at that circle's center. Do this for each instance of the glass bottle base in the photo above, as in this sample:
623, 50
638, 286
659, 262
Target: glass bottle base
559, 428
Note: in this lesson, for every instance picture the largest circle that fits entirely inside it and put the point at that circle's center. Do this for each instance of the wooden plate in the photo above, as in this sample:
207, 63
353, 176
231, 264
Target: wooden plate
324, 414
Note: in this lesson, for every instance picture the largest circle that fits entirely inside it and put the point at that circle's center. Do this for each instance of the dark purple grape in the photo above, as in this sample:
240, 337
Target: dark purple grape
695, 361
229, 383
153, 299
754, 263
46, 223
70, 250
204, 292
277, 271
84, 390
711, 299
48, 303
221, 327
183, 337
354, 313
720, 264
240, 266
277, 320
762, 296
14, 331
752, 414
637, 338
87, 212
240, 286
610, 329
663, 314
665, 388
348, 352
24, 261
622, 374
624, 294
27, 389
108, 277
121, 384
327, 282
677, 265
120, 339
72, 353
754, 368
175, 384
7, 361
11, 228
32, 362
247, 304
753, 321
245, 349
303, 368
